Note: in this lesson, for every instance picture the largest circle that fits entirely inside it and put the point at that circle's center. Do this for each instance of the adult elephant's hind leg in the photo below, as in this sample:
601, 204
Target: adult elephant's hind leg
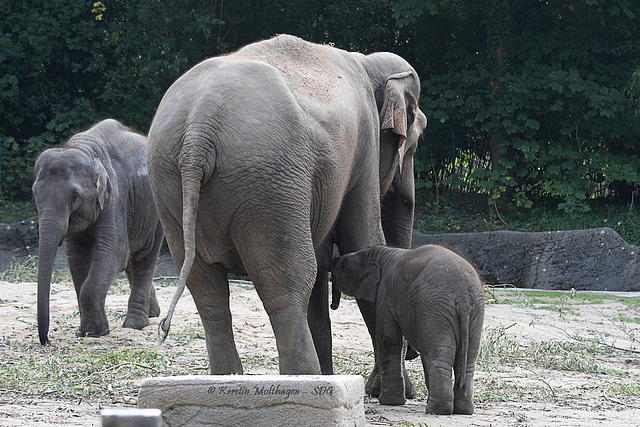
284, 286
209, 288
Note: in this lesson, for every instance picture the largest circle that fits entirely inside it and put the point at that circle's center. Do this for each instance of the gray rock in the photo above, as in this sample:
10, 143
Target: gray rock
594, 259
20, 239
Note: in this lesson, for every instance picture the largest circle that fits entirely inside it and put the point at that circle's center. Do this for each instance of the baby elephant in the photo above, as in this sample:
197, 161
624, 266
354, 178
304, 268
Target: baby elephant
435, 299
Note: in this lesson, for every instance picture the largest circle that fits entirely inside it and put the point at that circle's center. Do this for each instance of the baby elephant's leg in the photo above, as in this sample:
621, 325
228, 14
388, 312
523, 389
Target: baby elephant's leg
439, 375
388, 355
463, 396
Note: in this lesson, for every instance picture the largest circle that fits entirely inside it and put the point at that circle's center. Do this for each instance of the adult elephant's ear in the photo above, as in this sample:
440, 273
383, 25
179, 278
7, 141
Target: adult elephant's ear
102, 182
394, 115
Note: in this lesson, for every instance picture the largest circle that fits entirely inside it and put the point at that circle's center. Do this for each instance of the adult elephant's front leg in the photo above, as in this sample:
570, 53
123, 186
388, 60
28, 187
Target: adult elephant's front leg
209, 288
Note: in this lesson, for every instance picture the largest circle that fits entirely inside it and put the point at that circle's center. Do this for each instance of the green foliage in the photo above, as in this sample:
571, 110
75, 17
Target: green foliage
534, 97
12, 212
17, 165
526, 101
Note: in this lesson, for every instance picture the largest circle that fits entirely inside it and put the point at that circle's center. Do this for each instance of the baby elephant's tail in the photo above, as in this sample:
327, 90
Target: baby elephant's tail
460, 366
471, 315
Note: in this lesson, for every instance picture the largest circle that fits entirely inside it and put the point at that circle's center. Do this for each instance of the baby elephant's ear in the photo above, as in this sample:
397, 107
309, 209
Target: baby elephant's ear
369, 283
102, 182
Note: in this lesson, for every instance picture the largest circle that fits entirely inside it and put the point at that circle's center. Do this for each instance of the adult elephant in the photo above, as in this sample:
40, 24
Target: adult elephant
259, 157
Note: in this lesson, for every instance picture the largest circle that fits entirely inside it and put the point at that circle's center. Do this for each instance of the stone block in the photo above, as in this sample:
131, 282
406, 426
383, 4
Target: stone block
256, 400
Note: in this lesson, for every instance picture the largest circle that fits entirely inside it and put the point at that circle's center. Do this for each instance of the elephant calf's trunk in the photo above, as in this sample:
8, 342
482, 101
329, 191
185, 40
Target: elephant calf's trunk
335, 297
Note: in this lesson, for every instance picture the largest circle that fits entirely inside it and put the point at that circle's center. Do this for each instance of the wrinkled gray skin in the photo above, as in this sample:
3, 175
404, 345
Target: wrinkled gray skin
435, 299
94, 194
260, 159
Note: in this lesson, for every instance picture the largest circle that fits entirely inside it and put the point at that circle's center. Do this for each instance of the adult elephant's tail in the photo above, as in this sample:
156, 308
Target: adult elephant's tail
192, 173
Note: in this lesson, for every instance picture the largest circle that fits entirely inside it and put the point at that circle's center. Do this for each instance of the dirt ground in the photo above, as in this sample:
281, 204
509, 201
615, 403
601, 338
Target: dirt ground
573, 398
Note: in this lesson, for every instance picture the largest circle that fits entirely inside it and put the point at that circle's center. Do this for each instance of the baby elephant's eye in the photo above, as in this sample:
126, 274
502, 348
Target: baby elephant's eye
74, 199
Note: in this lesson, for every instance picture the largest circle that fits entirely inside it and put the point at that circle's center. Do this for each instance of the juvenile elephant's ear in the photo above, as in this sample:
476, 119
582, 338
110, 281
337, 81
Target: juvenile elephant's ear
102, 182
369, 284
394, 115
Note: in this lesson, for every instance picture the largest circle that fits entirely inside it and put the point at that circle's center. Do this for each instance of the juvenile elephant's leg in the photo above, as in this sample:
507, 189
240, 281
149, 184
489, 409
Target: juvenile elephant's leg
209, 289
320, 322
409, 389
142, 301
368, 311
463, 386
91, 288
93, 318
463, 397
139, 299
79, 259
389, 357
372, 387
154, 306
438, 373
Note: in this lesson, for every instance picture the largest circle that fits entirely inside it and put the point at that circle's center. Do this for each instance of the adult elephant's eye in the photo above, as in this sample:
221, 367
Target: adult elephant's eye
74, 199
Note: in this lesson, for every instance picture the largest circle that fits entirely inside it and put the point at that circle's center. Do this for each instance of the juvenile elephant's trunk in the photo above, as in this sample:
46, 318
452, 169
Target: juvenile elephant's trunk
50, 238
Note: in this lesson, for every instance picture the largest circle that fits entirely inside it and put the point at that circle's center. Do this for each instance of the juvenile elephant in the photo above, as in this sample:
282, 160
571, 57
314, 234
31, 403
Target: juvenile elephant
435, 299
254, 157
94, 193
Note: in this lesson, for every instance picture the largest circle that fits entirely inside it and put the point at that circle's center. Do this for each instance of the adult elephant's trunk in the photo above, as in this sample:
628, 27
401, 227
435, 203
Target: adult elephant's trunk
397, 207
51, 235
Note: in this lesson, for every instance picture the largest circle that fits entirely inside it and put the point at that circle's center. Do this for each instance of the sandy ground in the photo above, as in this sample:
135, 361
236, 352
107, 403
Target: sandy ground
572, 398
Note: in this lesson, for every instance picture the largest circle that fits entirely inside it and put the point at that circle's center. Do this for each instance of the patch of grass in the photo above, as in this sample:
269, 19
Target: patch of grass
120, 287
626, 319
623, 389
114, 315
256, 362
164, 282
500, 390
353, 363
80, 370
244, 284
187, 333
25, 269
501, 353
560, 301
